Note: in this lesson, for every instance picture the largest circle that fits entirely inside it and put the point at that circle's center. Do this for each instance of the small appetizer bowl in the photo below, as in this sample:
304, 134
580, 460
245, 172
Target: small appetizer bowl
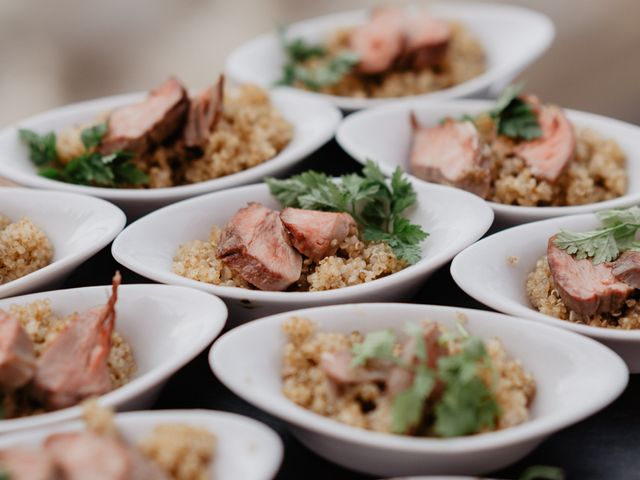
384, 135
494, 271
166, 327
76, 225
454, 219
512, 37
314, 123
245, 448
575, 378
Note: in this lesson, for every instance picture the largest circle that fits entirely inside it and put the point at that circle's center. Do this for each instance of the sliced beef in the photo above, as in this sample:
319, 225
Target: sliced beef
627, 268
426, 42
380, 41
205, 112
317, 234
451, 153
255, 244
585, 288
549, 156
74, 366
84, 455
17, 356
337, 366
23, 464
134, 128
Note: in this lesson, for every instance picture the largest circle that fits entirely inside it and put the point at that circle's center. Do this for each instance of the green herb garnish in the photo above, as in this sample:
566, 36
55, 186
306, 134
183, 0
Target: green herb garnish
89, 168
542, 472
375, 345
328, 71
4, 475
377, 205
42, 148
92, 136
467, 404
617, 234
514, 117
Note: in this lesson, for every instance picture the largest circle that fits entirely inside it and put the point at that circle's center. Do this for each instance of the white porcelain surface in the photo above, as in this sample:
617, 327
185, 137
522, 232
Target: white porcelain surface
453, 218
245, 449
314, 123
513, 38
166, 327
575, 378
77, 226
384, 134
483, 271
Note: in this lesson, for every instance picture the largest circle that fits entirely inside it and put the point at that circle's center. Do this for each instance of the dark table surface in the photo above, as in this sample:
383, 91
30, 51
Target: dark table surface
600, 447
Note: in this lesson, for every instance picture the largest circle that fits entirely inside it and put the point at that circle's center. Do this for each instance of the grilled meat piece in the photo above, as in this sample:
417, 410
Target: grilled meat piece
256, 245
205, 111
17, 355
135, 128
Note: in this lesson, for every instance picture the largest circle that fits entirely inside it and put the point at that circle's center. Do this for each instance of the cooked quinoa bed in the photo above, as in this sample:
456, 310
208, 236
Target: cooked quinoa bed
42, 325
597, 173
250, 132
355, 262
546, 299
364, 405
464, 60
24, 248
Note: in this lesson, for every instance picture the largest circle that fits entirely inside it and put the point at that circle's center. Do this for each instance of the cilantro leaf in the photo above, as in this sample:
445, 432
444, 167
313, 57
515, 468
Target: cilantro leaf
467, 404
515, 118
328, 71
42, 148
408, 406
375, 203
92, 136
298, 50
377, 344
542, 472
618, 234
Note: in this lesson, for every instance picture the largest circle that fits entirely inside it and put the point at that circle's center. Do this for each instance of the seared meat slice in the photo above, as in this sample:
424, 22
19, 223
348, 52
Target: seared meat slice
22, 464
627, 268
204, 113
255, 244
337, 367
380, 41
84, 455
134, 128
451, 153
17, 356
74, 366
427, 40
549, 156
585, 288
317, 234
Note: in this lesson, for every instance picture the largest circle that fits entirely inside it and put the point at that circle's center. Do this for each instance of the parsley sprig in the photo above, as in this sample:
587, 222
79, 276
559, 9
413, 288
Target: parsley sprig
617, 234
89, 168
514, 117
467, 404
327, 72
376, 204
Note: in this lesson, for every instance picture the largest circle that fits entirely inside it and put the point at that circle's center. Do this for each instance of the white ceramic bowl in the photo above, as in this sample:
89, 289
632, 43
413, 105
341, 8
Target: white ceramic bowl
483, 271
166, 327
513, 38
314, 122
77, 226
245, 448
575, 378
384, 134
453, 218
